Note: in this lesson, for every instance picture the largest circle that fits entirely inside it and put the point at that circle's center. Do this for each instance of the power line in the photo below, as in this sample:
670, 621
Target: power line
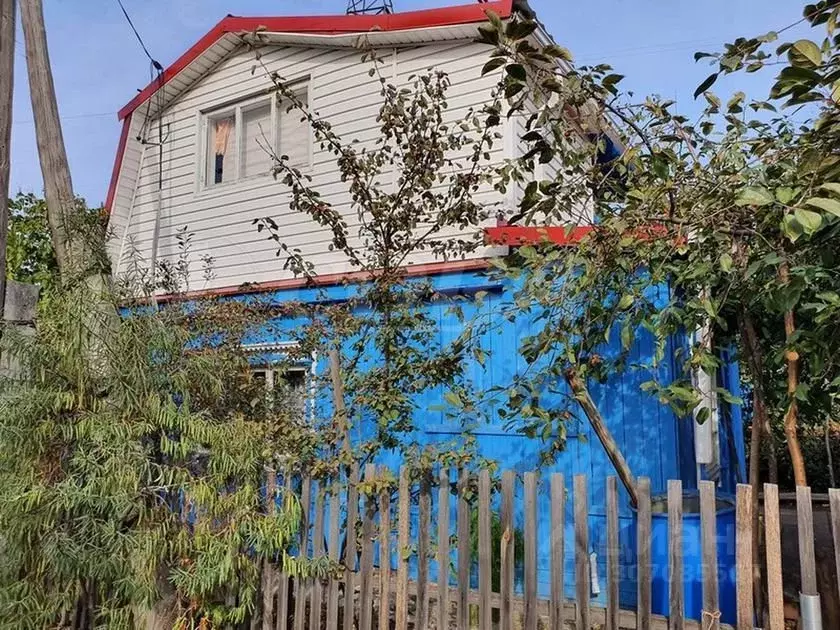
71, 117
139, 39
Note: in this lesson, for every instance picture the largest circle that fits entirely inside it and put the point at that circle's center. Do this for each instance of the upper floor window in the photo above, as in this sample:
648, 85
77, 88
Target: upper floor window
242, 139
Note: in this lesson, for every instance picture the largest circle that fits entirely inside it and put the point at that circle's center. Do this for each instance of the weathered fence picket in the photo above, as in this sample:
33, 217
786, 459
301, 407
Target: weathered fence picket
377, 597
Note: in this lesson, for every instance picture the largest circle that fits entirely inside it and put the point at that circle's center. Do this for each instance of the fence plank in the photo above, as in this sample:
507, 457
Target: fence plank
485, 553
834, 501
317, 551
530, 551
582, 612
708, 529
332, 589
300, 584
506, 551
676, 598
743, 550
464, 543
612, 554
644, 555
805, 529
350, 548
270, 577
366, 562
403, 523
558, 523
443, 551
421, 611
773, 548
385, 558
282, 621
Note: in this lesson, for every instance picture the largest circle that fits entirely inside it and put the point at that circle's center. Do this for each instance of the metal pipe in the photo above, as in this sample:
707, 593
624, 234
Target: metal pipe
811, 613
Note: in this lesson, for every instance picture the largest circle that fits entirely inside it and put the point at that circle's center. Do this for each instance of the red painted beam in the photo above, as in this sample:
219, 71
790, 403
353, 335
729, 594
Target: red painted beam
515, 235
115, 173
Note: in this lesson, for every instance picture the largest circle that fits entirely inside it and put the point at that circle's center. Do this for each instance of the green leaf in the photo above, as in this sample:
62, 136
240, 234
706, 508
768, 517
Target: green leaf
808, 219
832, 206
726, 263
516, 71
625, 302
558, 52
700, 55
831, 187
805, 53
786, 194
754, 196
493, 64
709, 82
453, 399
791, 228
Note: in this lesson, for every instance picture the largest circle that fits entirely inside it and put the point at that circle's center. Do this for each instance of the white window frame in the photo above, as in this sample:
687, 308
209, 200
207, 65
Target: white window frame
273, 367
206, 117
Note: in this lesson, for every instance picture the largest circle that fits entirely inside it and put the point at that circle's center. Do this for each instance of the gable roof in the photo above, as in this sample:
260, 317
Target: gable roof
322, 29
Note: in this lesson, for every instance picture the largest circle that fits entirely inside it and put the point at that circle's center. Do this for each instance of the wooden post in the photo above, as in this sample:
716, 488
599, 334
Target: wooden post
613, 603
773, 545
581, 553
301, 586
350, 548
366, 562
463, 550
7, 80
403, 529
485, 552
805, 528
443, 551
317, 552
385, 556
558, 524
333, 541
58, 186
270, 576
643, 543
339, 407
708, 542
834, 500
421, 610
743, 565
676, 600
531, 551
506, 551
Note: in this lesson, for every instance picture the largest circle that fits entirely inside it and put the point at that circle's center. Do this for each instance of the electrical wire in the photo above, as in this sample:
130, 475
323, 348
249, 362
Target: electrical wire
157, 65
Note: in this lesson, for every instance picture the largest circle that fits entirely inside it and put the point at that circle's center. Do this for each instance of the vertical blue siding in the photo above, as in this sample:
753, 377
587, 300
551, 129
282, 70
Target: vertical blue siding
655, 442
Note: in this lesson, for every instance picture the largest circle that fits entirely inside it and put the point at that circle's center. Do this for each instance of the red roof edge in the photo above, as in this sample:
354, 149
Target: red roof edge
329, 24
115, 173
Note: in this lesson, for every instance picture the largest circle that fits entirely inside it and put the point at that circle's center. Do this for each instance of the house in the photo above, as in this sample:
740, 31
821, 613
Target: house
189, 158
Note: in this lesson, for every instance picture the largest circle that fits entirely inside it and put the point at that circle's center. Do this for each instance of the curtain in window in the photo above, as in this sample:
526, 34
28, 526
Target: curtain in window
224, 127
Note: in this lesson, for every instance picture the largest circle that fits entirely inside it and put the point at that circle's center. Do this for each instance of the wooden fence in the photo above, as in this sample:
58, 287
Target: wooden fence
399, 530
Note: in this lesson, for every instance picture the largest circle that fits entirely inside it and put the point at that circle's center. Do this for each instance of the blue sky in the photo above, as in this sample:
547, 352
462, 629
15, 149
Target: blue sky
98, 65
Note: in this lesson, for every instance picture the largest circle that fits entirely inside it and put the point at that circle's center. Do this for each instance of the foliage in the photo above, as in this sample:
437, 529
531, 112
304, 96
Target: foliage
139, 469
737, 214
415, 196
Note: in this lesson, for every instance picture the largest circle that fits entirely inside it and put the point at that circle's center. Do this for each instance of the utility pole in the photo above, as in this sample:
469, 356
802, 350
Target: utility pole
7, 80
58, 187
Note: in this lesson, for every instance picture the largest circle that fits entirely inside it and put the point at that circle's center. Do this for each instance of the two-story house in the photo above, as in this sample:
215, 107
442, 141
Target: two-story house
191, 156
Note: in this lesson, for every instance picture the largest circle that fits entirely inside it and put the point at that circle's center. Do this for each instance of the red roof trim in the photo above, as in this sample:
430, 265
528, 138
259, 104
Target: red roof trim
115, 173
521, 235
428, 269
334, 24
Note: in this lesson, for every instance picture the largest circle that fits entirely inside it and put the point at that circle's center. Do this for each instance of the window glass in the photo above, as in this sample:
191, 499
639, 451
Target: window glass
221, 167
257, 143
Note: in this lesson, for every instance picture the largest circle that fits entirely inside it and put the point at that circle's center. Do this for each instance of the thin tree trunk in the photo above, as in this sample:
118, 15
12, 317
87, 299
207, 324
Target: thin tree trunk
760, 422
340, 409
792, 414
828, 454
7, 80
770, 450
581, 393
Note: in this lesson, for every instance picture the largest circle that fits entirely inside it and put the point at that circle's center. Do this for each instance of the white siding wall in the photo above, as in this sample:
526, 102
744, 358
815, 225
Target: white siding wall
221, 217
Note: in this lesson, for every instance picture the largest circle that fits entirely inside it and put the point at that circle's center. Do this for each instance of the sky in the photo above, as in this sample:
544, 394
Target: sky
98, 65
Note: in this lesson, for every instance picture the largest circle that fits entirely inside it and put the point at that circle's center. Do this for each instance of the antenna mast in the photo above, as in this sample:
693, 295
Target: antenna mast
369, 7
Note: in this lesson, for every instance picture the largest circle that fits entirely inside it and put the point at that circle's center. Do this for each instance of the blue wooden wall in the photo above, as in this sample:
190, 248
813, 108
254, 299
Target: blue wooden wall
656, 443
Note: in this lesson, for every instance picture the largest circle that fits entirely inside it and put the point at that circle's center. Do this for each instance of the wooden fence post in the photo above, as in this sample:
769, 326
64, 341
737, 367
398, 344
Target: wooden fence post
506, 551
581, 553
708, 528
366, 561
421, 611
834, 501
403, 523
613, 604
332, 589
743, 565
443, 551
530, 551
485, 552
300, 584
385, 558
350, 548
773, 546
558, 523
676, 599
643, 544
463, 550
